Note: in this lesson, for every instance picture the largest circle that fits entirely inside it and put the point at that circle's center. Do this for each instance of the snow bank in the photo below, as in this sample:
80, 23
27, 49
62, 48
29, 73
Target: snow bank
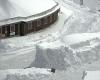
26, 74
92, 4
92, 75
80, 37
81, 24
83, 50
53, 55
85, 46
82, 20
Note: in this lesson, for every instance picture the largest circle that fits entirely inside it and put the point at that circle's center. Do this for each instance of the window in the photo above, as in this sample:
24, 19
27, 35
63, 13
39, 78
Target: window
3, 30
39, 23
17, 28
48, 19
51, 18
33, 24
30, 26
12, 28
45, 20
0, 31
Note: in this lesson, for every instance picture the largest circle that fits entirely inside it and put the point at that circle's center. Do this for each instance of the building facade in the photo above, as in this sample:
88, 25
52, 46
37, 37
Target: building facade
21, 26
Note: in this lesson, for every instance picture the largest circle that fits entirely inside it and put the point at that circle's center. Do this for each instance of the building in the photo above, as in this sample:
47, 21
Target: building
19, 17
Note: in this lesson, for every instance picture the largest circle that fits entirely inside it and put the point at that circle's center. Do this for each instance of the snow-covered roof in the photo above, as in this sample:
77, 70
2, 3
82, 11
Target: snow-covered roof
92, 75
11, 9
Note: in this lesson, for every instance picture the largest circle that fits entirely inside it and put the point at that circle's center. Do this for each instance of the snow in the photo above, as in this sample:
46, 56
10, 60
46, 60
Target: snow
92, 4
14, 51
78, 38
67, 12
70, 47
92, 75
50, 55
26, 74
12, 8
18, 12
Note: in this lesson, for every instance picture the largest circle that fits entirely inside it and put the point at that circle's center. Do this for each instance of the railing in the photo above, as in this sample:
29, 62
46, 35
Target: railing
36, 15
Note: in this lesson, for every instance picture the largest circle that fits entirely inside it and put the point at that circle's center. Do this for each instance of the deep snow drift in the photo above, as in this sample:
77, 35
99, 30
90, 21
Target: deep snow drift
75, 47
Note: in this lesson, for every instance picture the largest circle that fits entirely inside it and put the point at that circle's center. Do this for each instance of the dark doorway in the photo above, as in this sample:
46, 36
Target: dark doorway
22, 29
8, 30
16, 29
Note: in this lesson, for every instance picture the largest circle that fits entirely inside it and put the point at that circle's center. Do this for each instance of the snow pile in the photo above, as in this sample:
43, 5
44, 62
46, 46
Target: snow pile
26, 74
85, 46
81, 50
92, 4
53, 55
82, 23
92, 75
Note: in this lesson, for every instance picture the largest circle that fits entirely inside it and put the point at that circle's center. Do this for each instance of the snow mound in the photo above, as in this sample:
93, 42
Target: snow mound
26, 74
85, 46
92, 75
53, 55
82, 24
